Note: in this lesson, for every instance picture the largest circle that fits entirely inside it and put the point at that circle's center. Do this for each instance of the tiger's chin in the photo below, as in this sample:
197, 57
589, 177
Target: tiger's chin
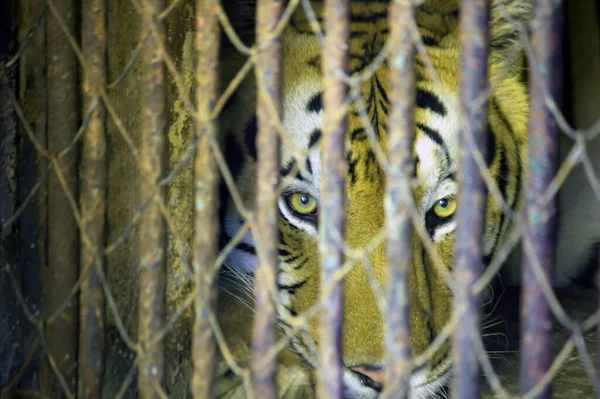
423, 386
297, 381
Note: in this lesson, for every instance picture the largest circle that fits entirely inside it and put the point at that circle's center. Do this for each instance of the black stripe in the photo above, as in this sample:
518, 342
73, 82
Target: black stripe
373, 17
315, 136
502, 177
301, 264
291, 259
315, 104
490, 155
435, 136
242, 246
288, 168
283, 252
518, 173
429, 41
416, 162
358, 134
428, 100
309, 166
292, 311
291, 289
357, 34
381, 91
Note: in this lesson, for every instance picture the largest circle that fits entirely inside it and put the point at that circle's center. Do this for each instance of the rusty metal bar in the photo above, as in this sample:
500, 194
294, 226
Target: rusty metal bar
333, 197
152, 233
206, 198
536, 316
269, 83
398, 198
63, 234
470, 214
93, 203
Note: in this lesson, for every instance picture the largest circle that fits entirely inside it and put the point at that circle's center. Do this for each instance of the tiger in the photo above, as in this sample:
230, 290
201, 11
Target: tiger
435, 191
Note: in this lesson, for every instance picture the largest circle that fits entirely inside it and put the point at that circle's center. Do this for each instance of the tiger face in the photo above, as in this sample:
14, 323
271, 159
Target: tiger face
436, 150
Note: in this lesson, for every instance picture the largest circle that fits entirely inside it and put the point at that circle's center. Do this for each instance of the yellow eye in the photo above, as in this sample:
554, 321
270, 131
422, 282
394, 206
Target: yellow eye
302, 204
445, 207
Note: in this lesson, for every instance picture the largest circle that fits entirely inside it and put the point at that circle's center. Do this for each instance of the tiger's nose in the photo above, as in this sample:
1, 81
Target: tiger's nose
370, 376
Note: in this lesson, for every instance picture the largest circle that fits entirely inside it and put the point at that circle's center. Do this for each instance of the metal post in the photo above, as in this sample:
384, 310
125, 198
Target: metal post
93, 203
269, 83
206, 198
152, 230
333, 197
399, 197
536, 316
474, 40
63, 235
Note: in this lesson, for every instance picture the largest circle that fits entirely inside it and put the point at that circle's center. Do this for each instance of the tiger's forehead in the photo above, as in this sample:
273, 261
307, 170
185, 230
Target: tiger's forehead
437, 117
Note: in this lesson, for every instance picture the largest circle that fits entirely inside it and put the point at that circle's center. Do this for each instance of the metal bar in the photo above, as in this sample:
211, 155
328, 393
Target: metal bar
93, 203
474, 38
598, 324
333, 197
206, 198
536, 316
269, 82
63, 234
152, 233
11, 326
398, 198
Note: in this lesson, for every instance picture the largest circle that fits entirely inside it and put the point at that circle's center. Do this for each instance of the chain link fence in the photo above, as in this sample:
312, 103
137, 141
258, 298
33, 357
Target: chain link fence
112, 197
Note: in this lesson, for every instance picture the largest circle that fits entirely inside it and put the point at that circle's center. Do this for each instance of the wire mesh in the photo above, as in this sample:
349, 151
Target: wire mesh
79, 238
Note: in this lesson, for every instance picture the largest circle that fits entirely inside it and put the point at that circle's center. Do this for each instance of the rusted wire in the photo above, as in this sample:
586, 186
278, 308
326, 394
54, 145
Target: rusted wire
206, 200
470, 214
536, 316
152, 233
332, 215
269, 82
398, 198
61, 272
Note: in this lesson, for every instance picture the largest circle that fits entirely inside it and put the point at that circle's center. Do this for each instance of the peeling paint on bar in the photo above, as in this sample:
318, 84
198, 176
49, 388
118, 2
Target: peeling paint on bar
398, 199
206, 197
536, 316
333, 198
152, 230
266, 229
470, 214
93, 203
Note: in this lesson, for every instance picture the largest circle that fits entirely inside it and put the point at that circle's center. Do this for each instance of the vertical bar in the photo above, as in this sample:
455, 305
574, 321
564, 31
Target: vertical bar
93, 203
398, 197
11, 347
8, 118
333, 197
474, 38
536, 316
152, 301
269, 82
63, 235
206, 198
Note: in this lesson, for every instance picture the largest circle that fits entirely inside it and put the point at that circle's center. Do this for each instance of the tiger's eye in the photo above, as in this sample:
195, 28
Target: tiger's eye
445, 207
302, 204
